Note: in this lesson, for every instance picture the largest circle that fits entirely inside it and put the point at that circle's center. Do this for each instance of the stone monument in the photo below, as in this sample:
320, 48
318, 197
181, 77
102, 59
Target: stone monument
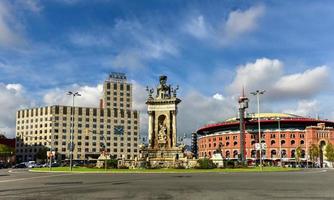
162, 149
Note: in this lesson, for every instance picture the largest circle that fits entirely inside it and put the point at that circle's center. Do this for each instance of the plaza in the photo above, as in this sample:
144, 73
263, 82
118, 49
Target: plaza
305, 184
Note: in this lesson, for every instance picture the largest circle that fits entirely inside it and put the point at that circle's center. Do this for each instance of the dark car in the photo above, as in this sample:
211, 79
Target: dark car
21, 165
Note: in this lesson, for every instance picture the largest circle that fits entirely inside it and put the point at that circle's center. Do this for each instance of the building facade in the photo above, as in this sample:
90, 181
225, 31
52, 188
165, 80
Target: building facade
280, 132
113, 126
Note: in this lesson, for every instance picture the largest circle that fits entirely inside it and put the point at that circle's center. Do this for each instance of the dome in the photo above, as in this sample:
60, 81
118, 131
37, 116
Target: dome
267, 116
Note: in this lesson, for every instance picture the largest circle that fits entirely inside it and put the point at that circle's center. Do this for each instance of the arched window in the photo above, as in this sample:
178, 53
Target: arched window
227, 154
253, 154
302, 142
235, 154
272, 142
282, 142
303, 154
283, 153
273, 153
293, 142
253, 142
227, 144
293, 153
235, 143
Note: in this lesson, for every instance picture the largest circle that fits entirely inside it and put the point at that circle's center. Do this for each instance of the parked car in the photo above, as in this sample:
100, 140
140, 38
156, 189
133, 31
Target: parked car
31, 164
20, 165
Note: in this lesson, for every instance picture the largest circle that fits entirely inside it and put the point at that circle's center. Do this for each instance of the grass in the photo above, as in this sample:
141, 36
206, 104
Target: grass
95, 170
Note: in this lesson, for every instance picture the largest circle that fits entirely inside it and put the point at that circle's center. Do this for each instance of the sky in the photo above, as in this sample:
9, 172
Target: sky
211, 49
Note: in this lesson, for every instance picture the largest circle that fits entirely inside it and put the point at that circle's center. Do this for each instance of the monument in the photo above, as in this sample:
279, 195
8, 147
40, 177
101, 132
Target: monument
162, 149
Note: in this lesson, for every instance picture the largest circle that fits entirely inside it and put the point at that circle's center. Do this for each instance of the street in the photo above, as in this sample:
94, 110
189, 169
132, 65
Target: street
308, 184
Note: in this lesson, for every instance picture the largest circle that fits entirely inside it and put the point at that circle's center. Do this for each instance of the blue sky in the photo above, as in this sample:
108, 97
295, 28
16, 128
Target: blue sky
209, 48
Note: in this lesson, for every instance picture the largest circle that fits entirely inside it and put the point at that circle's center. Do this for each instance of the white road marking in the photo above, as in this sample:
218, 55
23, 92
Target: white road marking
36, 177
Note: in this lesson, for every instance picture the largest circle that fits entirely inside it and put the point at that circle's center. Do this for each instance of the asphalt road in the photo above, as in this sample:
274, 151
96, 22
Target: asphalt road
309, 184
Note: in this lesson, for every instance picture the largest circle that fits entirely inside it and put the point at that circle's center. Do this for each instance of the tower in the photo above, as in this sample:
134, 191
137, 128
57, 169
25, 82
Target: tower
243, 104
162, 105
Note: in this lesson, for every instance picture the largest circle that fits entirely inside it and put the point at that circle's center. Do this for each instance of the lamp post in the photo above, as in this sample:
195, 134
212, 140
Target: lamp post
257, 93
73, 94
280, 144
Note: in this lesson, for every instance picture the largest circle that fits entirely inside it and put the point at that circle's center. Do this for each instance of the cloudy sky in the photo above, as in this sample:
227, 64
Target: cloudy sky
210, 48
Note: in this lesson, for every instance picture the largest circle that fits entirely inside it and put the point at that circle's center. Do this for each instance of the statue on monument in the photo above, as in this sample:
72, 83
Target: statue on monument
162, 131
163, 90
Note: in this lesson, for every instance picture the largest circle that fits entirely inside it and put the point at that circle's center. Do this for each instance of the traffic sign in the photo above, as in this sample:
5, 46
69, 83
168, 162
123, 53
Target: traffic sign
263, 145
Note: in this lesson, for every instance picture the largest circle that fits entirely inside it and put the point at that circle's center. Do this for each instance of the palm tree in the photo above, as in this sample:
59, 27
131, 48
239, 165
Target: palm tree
314, 153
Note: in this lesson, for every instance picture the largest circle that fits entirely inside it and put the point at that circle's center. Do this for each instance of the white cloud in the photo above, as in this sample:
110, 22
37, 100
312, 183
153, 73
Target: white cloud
240, 22
198, 27
12, 98
16, 87
196, 110
266, 74
218, 96
133, 43
90, 95
227, 30
303, 84
8, 26
261, 74
308, 108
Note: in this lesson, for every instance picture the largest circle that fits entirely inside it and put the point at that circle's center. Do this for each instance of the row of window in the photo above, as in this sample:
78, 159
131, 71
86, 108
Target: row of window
119, 86
67, 110
235, 143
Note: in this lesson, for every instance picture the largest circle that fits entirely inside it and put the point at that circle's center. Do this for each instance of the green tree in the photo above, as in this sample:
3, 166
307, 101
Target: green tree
298, 154
4, 149
330, 153
314, 152
41, 154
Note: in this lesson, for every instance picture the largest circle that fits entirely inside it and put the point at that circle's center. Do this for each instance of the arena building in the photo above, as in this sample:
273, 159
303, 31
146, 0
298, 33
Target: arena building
280, 132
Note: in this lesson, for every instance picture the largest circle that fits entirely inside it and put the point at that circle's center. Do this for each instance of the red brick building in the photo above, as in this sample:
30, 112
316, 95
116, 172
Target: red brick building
280, 132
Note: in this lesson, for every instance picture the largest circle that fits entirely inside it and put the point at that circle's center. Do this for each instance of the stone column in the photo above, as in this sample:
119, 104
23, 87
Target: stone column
174, 128
150, 128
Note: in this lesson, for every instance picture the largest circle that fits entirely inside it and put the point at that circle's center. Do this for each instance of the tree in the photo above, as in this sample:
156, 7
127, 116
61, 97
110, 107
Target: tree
41, 154
298, 154
314, 152
330, 153
4, 149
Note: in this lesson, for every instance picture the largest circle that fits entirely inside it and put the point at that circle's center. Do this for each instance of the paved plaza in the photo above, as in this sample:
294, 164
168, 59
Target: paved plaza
307, 184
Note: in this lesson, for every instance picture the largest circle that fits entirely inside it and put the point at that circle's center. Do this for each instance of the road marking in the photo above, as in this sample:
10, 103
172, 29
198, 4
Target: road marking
36, 177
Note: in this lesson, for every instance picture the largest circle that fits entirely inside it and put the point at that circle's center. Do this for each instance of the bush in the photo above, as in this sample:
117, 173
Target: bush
112, 163
123, 167
205, 163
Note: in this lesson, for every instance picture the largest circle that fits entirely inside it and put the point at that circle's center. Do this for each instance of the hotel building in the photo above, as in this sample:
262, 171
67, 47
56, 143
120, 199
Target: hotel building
113, 126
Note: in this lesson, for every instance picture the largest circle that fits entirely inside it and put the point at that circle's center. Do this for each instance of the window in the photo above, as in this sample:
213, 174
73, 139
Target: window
293, 142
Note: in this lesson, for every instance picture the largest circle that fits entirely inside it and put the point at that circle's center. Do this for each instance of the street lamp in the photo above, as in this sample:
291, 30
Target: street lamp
73, 94
257, 93
279, 140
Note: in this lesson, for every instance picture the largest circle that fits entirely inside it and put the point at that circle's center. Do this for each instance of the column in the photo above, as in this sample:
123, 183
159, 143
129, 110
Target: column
150, 128
174, 127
